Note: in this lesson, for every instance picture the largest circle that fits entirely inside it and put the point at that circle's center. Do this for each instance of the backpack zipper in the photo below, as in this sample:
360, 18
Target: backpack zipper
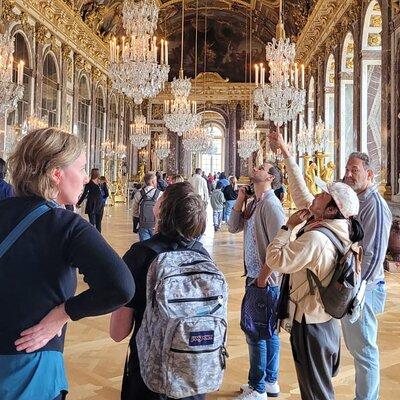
194, 351
190, 299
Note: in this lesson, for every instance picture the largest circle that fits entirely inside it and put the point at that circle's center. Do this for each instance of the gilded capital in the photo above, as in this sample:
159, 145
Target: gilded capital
41, 34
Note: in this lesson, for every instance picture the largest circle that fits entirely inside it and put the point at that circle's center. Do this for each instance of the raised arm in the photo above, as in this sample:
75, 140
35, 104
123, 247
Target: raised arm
298, 188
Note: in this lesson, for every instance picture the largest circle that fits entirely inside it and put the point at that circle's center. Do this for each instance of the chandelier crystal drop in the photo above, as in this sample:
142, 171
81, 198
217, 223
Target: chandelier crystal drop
280, 100
305, 140
140, 132
134, 68
107, 148
180, 114
248, 142
10, 93
162, 147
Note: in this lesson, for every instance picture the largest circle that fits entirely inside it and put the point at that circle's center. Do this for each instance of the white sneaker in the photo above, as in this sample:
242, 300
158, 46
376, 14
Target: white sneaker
251, 394
272, 389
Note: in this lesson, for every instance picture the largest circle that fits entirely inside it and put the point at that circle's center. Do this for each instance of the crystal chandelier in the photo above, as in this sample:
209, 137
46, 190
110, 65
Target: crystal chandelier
121, 151
162, 147
134, 68
248, 142
280, 100
180, 113
305, 140
321, 136
140, 132
198, 140
10, 93
107, 148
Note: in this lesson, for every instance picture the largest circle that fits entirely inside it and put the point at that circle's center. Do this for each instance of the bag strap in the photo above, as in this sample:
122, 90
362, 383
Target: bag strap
154, 198
22, 226
333, 238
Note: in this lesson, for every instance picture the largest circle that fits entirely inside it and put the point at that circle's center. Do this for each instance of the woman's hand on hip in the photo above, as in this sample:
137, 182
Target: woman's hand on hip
38, 336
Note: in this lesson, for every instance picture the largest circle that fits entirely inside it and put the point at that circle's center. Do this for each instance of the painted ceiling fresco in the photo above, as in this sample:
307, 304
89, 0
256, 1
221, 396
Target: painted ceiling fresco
226, 29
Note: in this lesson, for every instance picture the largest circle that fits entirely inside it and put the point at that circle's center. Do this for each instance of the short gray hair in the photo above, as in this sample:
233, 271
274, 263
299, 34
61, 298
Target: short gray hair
364, 157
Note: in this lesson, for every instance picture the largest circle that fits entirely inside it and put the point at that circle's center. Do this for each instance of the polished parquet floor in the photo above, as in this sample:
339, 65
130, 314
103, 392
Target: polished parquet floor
95, 363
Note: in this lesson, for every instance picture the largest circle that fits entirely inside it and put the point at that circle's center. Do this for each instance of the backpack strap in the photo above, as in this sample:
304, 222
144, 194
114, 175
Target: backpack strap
333, 238
22, 226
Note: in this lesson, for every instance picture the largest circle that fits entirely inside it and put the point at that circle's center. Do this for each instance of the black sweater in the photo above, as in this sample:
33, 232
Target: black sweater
38, 272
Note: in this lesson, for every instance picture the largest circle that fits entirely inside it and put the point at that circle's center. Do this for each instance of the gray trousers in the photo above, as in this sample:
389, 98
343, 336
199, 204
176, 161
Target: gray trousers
316, 353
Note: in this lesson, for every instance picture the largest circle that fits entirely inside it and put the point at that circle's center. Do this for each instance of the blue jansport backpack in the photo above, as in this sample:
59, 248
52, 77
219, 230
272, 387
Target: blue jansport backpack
181, 341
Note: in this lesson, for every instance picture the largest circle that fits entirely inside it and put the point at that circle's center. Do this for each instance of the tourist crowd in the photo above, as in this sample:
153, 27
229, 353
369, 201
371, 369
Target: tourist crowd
168, 295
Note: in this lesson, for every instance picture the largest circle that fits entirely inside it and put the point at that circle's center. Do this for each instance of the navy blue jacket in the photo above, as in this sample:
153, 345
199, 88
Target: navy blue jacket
6, 190
38, 272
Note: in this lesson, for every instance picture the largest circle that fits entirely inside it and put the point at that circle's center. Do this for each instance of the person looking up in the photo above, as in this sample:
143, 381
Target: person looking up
315, 335
260, 220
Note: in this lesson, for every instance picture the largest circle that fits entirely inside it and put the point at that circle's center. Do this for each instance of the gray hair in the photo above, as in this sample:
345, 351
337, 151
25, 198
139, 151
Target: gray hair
364, 157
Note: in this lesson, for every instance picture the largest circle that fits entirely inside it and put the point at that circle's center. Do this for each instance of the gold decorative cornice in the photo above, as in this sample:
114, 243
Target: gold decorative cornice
321, 26
62, 21
41, 33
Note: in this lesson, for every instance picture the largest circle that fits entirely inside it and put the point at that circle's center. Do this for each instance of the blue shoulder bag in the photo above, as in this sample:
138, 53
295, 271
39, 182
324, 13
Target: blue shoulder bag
258, 313
22, 226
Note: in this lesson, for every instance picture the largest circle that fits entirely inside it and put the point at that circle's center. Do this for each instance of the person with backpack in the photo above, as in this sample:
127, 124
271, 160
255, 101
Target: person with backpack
375, 217
142, 207
259, 214
180, 301
311, 261
42, 245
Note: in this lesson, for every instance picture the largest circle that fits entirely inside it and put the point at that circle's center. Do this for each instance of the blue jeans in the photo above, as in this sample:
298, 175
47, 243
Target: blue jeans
264, 358
217, 217
228, 209
360, 339
145, 233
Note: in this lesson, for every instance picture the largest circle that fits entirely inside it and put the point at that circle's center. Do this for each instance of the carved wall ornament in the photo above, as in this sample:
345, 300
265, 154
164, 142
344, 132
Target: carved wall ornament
375, 21
7, 12
41, 34
374, 40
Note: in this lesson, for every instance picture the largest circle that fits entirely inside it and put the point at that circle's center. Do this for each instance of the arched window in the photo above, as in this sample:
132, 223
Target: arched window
98, 128
212, 163
50, 88
21, 52
371, 87
330, 106
347, 142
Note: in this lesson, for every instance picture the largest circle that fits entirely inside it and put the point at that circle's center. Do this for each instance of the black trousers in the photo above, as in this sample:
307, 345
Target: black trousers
316, 353
95, 218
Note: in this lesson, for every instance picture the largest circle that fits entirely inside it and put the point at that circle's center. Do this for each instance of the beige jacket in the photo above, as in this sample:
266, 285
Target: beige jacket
313, 250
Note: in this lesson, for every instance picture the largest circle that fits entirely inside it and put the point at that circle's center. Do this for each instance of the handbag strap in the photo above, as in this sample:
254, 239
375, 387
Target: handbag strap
22, 226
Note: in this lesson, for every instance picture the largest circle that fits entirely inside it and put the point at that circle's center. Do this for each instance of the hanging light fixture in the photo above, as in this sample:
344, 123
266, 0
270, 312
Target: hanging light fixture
162, 146
10, 93
249, 134
134, 68
180, 114
280, 100
139, 131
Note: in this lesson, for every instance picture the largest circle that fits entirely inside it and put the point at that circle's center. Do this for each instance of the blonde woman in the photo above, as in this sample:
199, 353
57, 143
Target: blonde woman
38, 272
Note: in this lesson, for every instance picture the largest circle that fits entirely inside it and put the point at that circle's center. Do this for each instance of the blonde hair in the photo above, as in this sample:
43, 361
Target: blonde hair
37, 155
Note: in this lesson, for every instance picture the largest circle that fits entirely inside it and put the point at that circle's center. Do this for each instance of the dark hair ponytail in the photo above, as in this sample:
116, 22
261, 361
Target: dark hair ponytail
357, 232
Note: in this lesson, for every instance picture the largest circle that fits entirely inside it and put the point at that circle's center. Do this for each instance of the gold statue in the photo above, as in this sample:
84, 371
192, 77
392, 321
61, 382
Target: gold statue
141, 173
328, 172
309, 176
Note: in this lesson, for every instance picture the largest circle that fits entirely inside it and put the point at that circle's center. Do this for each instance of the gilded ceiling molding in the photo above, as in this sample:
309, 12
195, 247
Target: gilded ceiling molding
60, 20
322, 24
